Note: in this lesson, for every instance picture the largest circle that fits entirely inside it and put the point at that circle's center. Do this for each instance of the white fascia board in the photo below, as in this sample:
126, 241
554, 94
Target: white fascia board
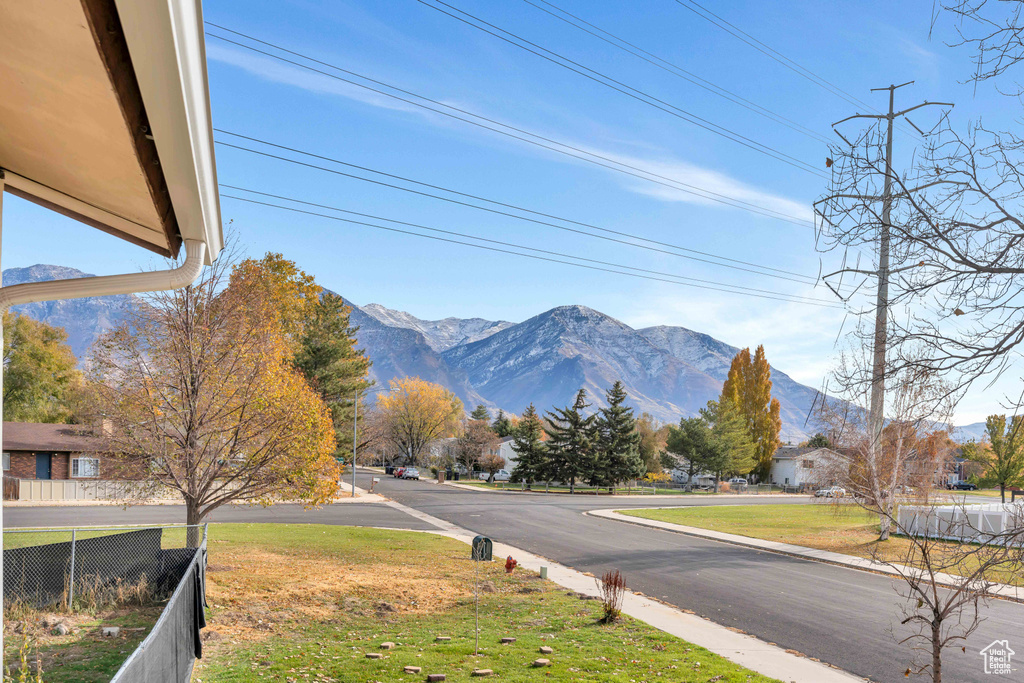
168, 52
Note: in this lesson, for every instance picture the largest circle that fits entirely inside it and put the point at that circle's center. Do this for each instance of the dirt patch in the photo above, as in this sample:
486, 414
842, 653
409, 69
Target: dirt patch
276, 588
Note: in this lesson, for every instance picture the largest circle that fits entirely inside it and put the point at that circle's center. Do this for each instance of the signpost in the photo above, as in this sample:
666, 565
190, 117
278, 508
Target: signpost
482, 552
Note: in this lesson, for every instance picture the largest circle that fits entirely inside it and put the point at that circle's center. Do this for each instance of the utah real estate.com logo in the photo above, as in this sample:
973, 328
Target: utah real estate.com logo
997, 657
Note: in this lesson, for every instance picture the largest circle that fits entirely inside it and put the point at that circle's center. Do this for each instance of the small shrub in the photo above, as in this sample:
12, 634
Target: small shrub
657, 477
723, 487
613, 589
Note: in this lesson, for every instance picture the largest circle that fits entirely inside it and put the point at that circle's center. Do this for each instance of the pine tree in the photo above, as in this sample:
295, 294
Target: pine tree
531, 453
502, 426
748, 390
618, 448
480, 413
571, 441
327, 356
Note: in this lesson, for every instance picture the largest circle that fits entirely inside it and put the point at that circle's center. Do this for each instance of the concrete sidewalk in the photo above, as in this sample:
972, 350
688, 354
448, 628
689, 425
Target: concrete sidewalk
745, 650
1006, 591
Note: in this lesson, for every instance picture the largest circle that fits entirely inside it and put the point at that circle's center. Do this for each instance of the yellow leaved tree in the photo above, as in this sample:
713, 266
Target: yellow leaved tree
415, 414
199, 395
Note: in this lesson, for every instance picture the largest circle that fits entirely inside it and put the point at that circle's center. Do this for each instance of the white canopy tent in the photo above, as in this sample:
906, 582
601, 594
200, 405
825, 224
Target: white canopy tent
105, 118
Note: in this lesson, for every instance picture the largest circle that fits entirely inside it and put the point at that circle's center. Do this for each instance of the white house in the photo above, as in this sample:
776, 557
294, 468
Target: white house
806, 466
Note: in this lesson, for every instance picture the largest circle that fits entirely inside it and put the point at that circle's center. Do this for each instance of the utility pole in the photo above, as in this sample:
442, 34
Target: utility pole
355, 434
876, 414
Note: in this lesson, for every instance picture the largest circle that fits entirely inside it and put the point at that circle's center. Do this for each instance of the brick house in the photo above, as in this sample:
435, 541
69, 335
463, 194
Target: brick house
33, 450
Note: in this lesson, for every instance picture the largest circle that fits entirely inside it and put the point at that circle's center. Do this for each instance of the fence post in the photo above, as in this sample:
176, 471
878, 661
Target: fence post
71, 580
206, 531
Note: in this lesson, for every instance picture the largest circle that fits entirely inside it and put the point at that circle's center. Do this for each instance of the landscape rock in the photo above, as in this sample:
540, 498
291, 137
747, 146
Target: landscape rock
482, 672
412, 669
374, 655
507, 641
61, 629
443, 639
542, 662
433, 678
545, 650
110, 631
387, 646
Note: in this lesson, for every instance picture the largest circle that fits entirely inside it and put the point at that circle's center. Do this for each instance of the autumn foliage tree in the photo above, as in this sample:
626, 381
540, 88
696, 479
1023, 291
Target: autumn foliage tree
748, 391
40, 371
416, 413
198, 387
1001, 454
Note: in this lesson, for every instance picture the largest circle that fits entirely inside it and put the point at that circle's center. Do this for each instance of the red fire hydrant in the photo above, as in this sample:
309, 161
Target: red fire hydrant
510, 565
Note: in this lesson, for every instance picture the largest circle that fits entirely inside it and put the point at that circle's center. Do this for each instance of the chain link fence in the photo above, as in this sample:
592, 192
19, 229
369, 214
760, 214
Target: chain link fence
90, 567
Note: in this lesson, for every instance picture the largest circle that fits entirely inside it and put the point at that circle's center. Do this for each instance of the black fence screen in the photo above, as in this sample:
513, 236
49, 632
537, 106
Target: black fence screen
169, 652
49, 574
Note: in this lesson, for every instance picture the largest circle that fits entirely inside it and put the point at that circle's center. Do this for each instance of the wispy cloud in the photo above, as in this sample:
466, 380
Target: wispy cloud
286, 74
659, 165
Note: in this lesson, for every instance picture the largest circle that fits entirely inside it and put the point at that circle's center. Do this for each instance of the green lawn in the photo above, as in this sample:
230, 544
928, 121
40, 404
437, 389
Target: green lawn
307, 602
842, 528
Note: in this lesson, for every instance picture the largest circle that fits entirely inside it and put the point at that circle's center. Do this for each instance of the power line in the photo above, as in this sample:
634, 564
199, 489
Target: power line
628, 90
542, 254
554, 146
676, 70
760, 268
770, 52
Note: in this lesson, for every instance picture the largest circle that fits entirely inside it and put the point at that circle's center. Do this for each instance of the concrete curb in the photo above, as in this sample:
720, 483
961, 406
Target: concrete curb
745, 650
1005, 591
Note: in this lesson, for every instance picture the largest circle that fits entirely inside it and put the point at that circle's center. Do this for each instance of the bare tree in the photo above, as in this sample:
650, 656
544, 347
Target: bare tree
947, 574
477, 440
878, 474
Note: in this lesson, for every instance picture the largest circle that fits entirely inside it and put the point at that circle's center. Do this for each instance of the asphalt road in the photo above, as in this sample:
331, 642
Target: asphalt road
840, 616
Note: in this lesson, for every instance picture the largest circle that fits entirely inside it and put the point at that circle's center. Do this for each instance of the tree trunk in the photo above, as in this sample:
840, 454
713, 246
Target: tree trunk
936, 653
883, 524
1002, 492
194, 534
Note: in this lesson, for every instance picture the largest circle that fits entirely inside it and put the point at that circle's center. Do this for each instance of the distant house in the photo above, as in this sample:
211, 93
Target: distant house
504, 449
804, 466
33, 450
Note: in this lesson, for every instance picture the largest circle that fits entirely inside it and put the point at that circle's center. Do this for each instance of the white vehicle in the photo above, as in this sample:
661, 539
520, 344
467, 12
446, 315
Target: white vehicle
411, 473
500, 475
830, 492
738, 482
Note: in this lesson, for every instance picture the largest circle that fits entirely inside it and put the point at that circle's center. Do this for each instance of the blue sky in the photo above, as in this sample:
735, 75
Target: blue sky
855, 45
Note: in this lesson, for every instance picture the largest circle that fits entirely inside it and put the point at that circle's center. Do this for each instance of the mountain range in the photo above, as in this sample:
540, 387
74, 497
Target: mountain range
669, 372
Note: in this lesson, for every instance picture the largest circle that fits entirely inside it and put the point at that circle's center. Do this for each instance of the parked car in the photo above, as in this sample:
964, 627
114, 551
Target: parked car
500, 475
738, 482
903, 488
398, 472
410, 473
830, 492
965, 486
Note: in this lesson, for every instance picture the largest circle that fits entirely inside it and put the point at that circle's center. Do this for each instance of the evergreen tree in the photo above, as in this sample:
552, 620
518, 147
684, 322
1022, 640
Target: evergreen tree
748, 389
327, 356
690, 443
819, 440
531, 453
480, 413
733, 451
618, 447
571, 442
502, 426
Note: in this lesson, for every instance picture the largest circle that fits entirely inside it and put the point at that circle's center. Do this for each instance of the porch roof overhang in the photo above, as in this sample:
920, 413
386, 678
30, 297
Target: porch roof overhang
105, 117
